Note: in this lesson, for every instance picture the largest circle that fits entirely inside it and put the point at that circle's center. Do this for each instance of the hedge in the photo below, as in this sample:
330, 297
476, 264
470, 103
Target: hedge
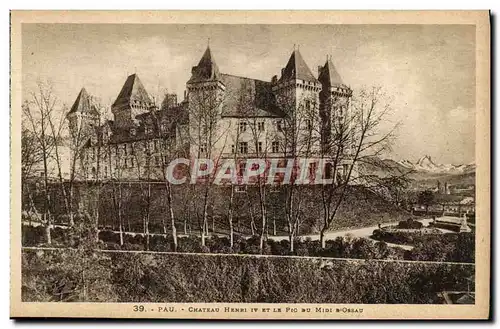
92, 276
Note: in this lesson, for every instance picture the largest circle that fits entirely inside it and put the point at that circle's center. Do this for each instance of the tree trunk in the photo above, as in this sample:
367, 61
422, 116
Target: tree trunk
262, 233
322, 238
172, 217
230, 217
205, 217
70, 201
274, 227
48, 236
291, 237
264, 222
252, 221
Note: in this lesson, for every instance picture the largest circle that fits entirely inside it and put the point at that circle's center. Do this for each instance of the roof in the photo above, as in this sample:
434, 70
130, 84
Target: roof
247, 97
83, 103
296, 68
206, 70
448, 198
330, 75
133, 91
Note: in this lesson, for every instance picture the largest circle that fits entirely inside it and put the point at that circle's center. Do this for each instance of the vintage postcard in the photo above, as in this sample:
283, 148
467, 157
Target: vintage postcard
250, 165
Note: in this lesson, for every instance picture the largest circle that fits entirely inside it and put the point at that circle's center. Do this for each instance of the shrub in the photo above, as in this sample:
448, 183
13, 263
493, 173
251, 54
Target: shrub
160, 243
33, 235
112, 246
133, 239
216, 244
410, 224
130, 246
109, 236
188, 244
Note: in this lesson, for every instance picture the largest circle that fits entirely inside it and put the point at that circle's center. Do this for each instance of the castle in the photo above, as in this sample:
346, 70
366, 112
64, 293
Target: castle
221, 115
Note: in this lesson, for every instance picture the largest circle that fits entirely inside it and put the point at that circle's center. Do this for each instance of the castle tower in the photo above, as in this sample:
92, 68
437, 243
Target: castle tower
132, 100
82, 116
297, 95
335, 99
205, 94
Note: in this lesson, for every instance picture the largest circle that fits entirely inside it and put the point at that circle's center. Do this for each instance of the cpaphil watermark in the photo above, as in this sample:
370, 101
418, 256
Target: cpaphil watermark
276, 171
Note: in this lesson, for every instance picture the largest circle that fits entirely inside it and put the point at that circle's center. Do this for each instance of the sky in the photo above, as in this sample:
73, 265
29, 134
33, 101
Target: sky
428, 70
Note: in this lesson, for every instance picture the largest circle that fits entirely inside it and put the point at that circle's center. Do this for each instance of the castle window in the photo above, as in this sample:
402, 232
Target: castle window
260, 126
131, 162
308, 105
308, 124
125, 150
259, 147
157, 161
125, 164
203, 148
243, 127
243, 147
133, 131
279, 125
275, 147
233, 149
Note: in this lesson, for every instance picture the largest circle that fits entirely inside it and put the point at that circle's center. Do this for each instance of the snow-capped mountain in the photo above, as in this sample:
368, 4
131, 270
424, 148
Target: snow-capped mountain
426, 164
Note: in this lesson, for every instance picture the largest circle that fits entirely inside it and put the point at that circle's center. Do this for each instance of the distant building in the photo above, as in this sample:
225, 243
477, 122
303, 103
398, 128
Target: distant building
221, 114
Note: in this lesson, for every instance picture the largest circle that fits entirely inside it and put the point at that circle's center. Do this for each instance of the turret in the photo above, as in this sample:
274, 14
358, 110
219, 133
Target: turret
334, 99
205, 94
83, 115
132, 100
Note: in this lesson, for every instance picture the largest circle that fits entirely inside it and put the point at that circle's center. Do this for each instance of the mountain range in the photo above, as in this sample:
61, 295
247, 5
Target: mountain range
423, 171
425, 164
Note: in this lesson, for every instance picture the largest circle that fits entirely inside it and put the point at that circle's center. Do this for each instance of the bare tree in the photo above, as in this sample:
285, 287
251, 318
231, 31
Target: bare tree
356, 136
167, 126
207, 138
37, 113
56, 126
299, 140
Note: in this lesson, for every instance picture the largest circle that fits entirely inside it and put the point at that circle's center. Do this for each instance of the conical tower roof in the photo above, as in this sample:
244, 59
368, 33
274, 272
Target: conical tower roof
83, 104
330, 75
133, 91
296, 68
206, 70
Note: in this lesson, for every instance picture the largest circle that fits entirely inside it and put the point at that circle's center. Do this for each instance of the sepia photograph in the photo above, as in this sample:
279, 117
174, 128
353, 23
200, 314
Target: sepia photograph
236, 165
